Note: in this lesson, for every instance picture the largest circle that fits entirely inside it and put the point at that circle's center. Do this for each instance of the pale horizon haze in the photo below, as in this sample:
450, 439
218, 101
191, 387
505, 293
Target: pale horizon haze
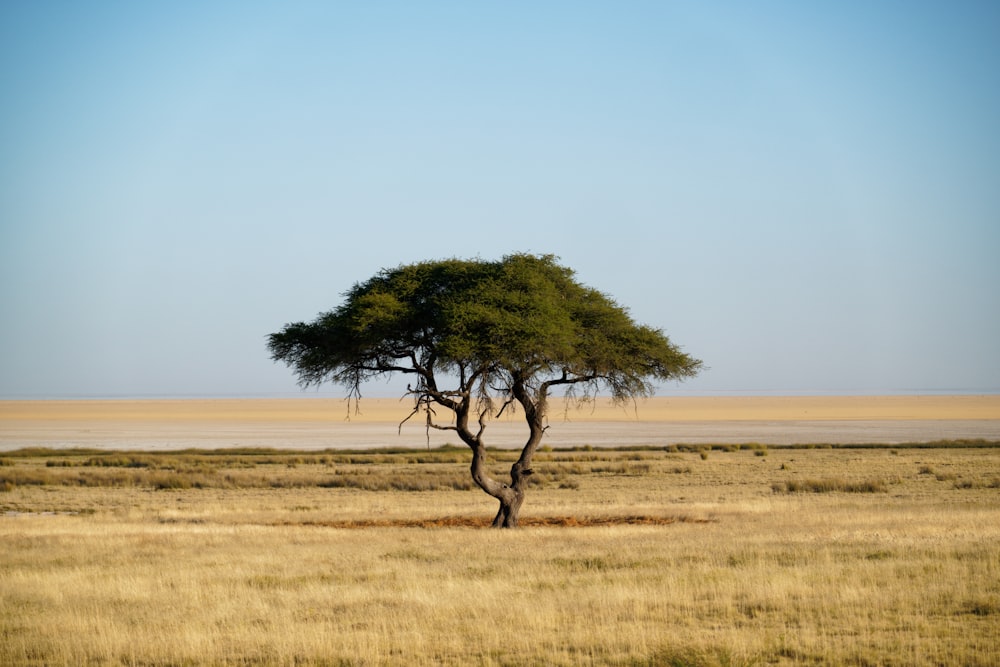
806, 196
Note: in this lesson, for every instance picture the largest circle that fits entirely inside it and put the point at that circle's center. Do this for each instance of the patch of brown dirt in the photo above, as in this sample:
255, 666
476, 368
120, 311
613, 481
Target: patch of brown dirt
483, 522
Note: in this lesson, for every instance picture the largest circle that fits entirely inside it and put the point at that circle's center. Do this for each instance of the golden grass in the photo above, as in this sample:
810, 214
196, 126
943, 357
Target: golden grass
676, 559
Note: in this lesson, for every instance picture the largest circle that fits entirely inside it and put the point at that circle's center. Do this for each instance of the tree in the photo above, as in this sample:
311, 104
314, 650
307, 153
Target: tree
478, 338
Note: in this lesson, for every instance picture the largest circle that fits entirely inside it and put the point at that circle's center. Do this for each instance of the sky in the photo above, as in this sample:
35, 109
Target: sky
806, 196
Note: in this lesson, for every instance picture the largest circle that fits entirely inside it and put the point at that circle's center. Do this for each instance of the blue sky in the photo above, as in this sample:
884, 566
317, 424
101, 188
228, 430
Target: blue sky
804, 195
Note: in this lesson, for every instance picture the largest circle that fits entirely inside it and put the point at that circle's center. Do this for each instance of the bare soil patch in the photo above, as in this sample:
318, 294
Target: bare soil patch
483, 522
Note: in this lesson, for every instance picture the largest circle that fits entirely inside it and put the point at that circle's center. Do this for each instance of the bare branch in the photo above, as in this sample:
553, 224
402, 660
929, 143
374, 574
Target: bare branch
506, 404
442, 428
416, 409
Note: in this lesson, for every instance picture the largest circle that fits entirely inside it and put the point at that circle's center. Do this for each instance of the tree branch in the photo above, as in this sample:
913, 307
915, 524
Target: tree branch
506, 403
567, 379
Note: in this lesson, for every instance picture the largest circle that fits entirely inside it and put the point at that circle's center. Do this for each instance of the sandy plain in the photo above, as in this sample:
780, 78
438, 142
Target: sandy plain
325, 423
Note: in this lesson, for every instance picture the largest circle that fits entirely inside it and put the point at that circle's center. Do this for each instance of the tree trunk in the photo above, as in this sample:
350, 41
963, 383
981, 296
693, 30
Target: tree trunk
510, 504
510, 510
510, 496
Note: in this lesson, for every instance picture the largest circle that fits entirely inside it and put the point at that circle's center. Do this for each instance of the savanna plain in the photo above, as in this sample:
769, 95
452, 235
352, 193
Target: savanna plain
701, 554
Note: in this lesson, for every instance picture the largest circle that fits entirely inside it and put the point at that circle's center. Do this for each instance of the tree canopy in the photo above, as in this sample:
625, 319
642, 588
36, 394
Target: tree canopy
498, 332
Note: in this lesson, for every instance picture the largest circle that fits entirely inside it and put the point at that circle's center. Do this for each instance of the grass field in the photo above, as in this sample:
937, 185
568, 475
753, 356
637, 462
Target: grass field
680, 556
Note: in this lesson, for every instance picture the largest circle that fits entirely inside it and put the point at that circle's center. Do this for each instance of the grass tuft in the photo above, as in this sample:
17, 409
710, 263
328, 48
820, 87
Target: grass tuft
829, 485
696, 657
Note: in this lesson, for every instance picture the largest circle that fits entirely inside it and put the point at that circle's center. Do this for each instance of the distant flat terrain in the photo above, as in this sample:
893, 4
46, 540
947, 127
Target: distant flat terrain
321, 423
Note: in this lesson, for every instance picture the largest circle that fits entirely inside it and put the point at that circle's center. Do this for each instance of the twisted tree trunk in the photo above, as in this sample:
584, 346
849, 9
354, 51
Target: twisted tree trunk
510, 496
510, 503
513, 496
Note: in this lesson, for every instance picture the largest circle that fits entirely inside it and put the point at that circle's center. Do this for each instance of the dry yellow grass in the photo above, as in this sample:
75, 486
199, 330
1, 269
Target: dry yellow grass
736, 574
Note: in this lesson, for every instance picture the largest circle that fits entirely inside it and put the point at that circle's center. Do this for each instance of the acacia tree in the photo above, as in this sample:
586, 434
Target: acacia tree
478, 338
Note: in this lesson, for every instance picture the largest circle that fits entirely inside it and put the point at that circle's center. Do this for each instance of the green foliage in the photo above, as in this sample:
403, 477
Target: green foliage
491, 323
